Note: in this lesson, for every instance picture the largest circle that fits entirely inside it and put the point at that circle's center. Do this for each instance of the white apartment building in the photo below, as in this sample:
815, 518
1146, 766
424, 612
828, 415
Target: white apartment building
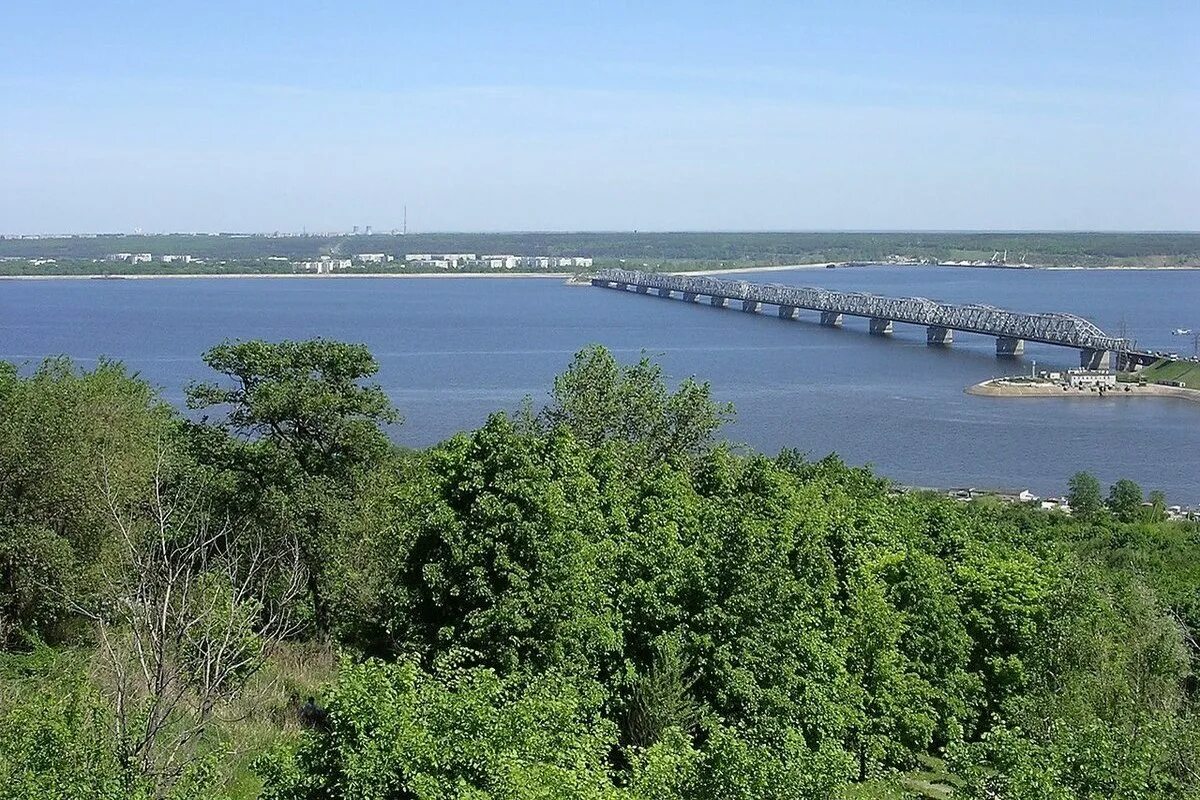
170, 259
1091, 378
374, 258
325, 264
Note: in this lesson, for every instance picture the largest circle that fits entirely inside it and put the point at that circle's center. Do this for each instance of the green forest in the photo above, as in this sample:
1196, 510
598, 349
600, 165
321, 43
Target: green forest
594, 596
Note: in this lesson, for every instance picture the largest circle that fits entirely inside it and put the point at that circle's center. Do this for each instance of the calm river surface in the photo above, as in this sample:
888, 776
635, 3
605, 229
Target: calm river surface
453, 350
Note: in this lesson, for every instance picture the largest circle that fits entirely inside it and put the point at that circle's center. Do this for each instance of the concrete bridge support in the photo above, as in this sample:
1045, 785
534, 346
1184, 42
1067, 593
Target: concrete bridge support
787, 312
719, 302
1007, 346
1095, 359
642, 289
664, 292
937, 336
831, 320
689, 297
750, 306
1128, 363
881, 327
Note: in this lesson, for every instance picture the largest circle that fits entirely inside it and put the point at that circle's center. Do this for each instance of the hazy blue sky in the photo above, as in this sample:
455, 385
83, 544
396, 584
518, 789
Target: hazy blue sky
613, 115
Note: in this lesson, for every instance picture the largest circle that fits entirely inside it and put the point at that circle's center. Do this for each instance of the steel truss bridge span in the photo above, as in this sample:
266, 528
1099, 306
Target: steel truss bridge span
1011, 328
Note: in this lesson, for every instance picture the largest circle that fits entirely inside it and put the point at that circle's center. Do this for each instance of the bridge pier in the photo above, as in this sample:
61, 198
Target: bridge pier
881, 327
719, 302
1008, 346
937, 336
750, 306
663, 292
831, 320
1128, 363
1095, 359
689, 297
642, 289
787, 312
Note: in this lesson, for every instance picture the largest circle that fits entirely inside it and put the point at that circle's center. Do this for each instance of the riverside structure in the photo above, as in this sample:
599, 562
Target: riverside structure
1011, 329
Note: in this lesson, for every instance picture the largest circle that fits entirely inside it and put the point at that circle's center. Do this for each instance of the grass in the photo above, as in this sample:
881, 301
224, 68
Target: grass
1166, 370
930, 782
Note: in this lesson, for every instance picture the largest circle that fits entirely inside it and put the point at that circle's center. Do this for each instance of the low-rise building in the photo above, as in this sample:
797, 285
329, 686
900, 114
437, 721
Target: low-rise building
172, 258
374, 258
1091, 378
325, 264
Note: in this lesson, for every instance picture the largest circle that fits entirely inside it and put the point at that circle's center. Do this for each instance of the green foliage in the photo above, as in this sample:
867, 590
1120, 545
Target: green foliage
598, 600
70, 441
305, 399
300, 426
599, 401
396, 731
1084, 498
1125, 500
501, 555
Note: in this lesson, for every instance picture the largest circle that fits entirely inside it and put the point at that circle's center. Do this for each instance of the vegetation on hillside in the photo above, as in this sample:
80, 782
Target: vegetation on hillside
597, 598
1186, 372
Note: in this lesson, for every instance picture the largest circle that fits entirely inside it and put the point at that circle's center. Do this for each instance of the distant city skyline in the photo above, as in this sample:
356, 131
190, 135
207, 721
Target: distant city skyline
675, 117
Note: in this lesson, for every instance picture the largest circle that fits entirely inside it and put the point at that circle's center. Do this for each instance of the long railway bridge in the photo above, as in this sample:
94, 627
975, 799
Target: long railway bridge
1011, 329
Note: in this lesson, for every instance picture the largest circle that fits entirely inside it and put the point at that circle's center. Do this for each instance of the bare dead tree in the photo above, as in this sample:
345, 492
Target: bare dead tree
196, 605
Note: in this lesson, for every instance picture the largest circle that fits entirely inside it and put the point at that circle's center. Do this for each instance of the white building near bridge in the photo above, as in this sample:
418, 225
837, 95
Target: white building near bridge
1091, 379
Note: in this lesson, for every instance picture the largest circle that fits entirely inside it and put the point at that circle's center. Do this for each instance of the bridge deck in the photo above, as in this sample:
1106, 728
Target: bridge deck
1066, 330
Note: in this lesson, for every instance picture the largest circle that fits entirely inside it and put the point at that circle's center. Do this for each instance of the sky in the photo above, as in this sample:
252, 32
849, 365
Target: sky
266, 116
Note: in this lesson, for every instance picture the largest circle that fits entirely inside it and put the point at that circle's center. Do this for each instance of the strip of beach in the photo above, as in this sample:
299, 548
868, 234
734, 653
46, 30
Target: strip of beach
999, 387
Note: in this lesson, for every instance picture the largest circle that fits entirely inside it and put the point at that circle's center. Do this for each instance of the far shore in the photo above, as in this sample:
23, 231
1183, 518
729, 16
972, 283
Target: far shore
775, 268
996, 387
582, 279
306, 275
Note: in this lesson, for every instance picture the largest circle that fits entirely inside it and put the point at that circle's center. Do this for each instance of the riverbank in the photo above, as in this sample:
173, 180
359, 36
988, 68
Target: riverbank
998, 387
776, 268
290, 275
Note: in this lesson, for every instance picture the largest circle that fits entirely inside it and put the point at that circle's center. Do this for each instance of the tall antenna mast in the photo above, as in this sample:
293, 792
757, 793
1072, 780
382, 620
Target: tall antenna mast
404, 230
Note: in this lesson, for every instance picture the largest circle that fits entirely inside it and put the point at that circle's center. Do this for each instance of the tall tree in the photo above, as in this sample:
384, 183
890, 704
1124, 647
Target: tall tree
302, 422
600, 400
1125, 500
1084, 497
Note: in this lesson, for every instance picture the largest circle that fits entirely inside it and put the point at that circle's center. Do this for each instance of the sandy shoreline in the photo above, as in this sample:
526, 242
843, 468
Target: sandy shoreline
777, 268
994, 388
540, 275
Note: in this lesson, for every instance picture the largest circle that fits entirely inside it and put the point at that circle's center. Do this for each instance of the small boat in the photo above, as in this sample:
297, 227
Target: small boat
1182, 332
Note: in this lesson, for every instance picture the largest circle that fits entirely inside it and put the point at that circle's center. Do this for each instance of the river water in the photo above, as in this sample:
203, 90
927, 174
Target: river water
453, 350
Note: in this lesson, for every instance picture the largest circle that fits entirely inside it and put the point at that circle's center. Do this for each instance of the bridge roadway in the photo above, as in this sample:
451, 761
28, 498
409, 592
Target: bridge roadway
1011, 328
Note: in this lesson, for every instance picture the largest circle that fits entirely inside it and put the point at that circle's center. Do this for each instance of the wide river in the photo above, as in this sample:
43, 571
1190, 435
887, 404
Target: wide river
453, 350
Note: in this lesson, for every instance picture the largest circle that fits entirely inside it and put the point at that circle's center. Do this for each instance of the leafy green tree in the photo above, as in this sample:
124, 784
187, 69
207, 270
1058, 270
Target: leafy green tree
662, 698
502, 555
69, 439
305, 399
466, 734
305, 425
1157, 512
600, 400
1084, 497
1125, 500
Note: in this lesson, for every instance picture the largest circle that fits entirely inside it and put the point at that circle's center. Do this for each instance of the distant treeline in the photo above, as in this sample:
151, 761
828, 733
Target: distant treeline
1085, 249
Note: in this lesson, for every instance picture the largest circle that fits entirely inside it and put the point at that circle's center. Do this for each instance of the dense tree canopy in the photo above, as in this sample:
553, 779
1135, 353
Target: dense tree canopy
595, 599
